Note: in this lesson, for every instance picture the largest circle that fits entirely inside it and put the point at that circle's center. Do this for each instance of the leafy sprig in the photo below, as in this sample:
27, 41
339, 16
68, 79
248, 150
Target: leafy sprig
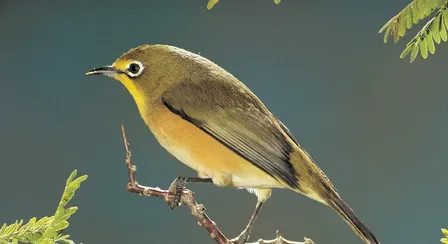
46, 230
435, 29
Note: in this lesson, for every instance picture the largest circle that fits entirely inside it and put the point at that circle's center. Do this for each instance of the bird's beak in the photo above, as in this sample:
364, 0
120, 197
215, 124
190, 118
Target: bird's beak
106, 70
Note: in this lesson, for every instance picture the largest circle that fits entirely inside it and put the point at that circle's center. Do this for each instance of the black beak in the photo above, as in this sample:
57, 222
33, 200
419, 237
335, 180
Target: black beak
106, 70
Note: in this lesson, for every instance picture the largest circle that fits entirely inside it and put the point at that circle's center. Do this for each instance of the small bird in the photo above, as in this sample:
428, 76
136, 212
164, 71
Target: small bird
213, 123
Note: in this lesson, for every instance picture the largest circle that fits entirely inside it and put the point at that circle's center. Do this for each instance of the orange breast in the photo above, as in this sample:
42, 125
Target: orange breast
203, 153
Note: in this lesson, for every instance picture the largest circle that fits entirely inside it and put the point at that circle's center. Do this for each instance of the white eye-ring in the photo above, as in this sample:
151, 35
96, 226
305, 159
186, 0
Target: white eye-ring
135, 68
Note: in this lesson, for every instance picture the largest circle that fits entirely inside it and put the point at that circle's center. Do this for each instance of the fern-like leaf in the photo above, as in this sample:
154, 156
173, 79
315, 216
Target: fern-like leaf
59, 222
47, 229
434, 31
27, 233
411, 14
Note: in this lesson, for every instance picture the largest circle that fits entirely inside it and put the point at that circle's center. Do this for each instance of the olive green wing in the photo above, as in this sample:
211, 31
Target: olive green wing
231, 114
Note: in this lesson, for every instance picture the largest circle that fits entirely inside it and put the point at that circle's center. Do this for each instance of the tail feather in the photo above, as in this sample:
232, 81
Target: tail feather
342, 208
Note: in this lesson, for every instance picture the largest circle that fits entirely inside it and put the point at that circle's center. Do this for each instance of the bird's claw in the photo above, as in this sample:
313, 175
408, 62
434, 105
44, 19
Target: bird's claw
175, 192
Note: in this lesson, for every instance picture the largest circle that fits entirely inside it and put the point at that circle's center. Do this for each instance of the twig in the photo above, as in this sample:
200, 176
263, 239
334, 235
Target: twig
188, 199
280, 240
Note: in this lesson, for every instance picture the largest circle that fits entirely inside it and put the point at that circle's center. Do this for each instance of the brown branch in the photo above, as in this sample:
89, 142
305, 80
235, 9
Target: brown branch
188, 199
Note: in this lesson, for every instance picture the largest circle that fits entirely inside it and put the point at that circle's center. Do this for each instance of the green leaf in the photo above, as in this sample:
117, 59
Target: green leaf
64, 237
32, 221
429, 6
71, 177
421, 9
402, 26
445, 232
74, 185
82, 178
423, 48
408, 15
211, 4
433, 4
414, 52
43, 221
430, 43
445, 17
442, 32
386, 35
407, 50
3, 228
415, 14
69, 211
435, 29
395, 31
61, 225
9, 229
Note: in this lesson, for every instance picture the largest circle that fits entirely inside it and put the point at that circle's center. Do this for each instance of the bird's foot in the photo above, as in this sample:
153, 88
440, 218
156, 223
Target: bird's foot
242, 238
175, 192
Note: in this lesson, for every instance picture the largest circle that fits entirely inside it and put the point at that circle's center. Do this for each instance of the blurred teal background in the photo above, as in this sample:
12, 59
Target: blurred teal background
377, 125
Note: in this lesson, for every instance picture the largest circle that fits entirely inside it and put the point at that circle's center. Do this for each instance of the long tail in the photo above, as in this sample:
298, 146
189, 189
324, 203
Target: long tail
314, 184
342, 208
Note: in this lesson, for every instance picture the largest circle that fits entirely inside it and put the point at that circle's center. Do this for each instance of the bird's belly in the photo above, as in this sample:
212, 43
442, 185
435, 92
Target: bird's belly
203, 153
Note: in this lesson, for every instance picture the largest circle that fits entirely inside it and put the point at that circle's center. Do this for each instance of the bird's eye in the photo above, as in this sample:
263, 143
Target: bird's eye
135, 69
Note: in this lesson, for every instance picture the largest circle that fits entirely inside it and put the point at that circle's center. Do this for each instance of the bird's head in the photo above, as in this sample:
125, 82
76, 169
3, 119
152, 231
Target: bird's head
148, 70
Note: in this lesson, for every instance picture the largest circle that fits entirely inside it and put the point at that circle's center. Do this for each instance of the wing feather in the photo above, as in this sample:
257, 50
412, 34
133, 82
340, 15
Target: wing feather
238, 120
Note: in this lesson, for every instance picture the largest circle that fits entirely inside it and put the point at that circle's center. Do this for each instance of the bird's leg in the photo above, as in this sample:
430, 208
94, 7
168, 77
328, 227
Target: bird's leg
244, 236
177, 187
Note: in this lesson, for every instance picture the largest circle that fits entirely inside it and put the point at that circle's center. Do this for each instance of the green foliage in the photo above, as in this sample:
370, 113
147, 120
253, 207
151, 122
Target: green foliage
212, 3
445, 239
46, 230
434, 31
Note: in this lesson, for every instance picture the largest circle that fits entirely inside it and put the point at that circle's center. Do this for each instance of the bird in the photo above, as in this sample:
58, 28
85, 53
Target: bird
213, 123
